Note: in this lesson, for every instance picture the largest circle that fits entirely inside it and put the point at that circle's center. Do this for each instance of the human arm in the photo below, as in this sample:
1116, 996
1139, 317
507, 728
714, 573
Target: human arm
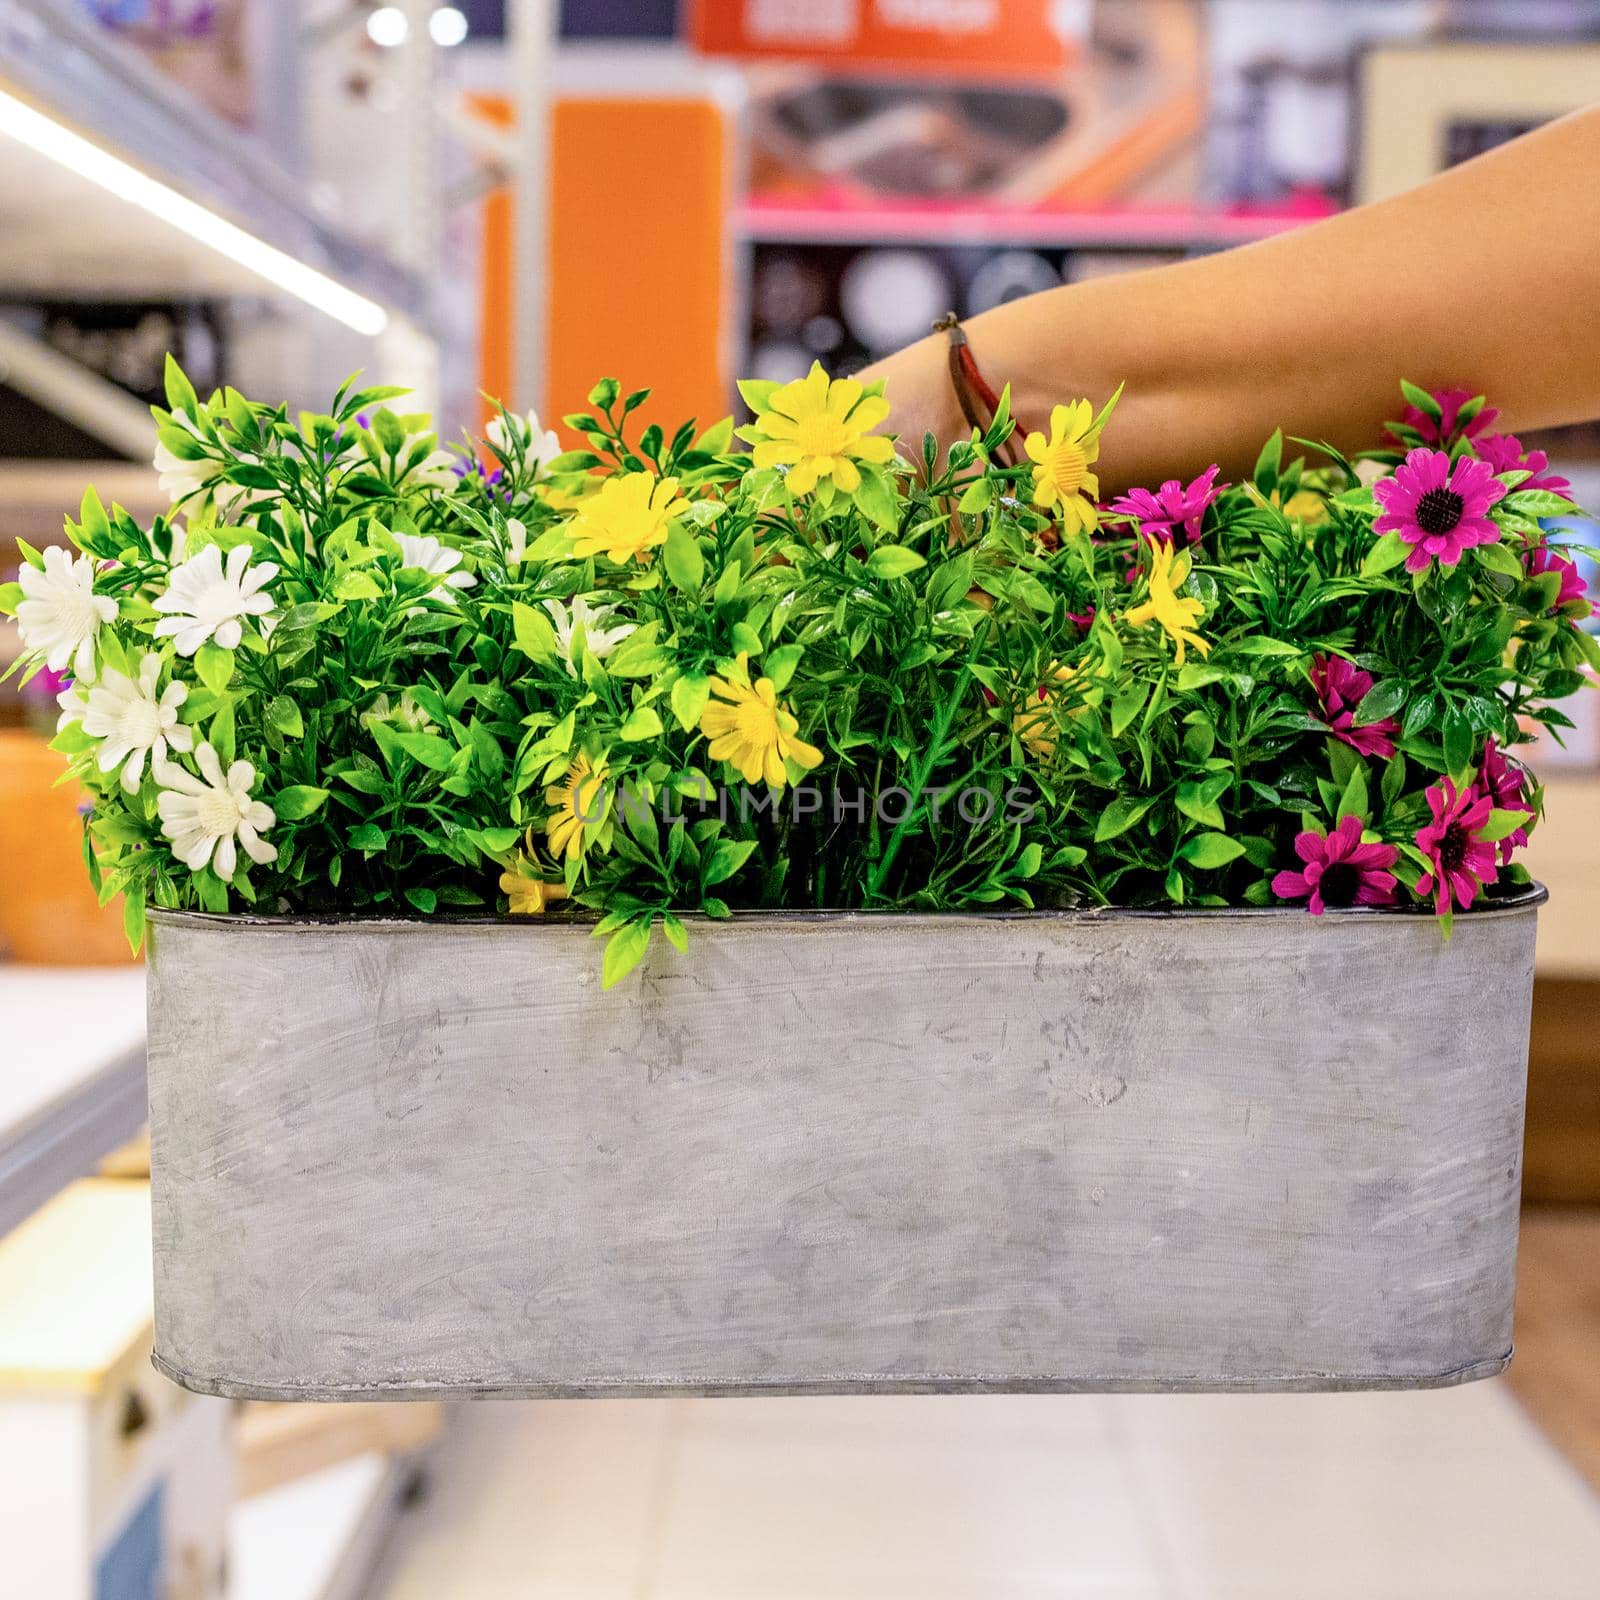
1485, 278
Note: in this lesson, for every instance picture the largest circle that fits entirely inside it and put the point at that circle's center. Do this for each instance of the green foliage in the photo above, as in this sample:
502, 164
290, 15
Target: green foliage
444, 693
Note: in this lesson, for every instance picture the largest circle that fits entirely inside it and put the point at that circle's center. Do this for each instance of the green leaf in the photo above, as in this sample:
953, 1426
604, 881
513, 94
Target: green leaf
425, 900
685, 564
879, 503
642, 723
357, 585
1127, 706
1210, 850
1502, 824
368, 836
1381, 702
725, 860
1458, 743
427, 748
976, 497
690, 693
1198, 800
214, 666
291, 805
531, 628
893, 561
1388, 552
1354, 802
624, 951
757, 393
1422, 400
1268, 463
1119, 816
1499, 559
284, 715
180, 392
10, 598
779, 664
1539, 503
1263, 646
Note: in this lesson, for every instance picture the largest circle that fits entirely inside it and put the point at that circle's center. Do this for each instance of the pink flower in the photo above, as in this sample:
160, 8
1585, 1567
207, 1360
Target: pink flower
1441, 510
1171, 507
1339, 870
1505, 783
1543, 558
1504, 453
1450, 402
1462, 862
1340, 688
1082, 619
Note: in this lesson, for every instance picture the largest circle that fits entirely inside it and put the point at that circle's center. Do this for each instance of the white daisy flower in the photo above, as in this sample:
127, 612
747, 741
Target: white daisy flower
408, 714
516, 541
180, 478
74, 701
183, 480
440, 469
134, 721
598, 640
207, 600
60, 613
539, 446
207, 820
428, 555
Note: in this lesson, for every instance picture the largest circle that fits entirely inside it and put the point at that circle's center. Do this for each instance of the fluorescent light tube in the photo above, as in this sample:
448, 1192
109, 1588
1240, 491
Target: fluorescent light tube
77, 154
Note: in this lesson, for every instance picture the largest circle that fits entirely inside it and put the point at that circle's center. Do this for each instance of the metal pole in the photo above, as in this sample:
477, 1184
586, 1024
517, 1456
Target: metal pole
531, 29
419, 227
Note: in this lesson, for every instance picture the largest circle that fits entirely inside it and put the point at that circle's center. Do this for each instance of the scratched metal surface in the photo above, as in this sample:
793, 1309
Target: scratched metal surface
838, 1154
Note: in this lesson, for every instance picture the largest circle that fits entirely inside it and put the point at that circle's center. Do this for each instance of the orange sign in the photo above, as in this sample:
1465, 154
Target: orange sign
934, 36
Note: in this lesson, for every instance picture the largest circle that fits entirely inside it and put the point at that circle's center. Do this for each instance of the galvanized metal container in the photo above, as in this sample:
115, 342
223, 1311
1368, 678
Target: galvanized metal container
838, 1153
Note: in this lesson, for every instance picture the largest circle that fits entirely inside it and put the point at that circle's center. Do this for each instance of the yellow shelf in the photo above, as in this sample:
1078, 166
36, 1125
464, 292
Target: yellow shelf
75, 1288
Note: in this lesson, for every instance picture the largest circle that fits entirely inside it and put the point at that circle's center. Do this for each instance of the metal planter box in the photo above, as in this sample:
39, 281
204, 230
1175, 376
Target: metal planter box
836, 1153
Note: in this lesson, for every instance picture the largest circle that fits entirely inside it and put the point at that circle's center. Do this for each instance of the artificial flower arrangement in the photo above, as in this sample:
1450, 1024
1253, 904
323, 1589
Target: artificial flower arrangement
352, 672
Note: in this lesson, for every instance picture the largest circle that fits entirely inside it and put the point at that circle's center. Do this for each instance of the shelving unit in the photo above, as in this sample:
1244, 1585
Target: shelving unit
72, 1088
55, 57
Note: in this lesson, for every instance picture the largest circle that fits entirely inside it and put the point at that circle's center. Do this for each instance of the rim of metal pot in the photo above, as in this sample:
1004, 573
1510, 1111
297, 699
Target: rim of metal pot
1523, 900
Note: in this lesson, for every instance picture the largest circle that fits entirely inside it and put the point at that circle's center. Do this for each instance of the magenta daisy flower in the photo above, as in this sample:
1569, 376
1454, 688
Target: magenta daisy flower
1171, 507
1462, 862
1441, 510
1082, 619
1339, 870
1543, 558
1450, 402
1504, 453
1506, 785
1340, 688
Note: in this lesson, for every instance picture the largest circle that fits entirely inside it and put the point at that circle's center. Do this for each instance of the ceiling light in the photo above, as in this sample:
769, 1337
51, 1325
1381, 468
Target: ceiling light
448, 25
70, 150
388, 27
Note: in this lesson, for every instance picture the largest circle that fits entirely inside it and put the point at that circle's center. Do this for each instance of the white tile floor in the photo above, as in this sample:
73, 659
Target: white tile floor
1451, 1495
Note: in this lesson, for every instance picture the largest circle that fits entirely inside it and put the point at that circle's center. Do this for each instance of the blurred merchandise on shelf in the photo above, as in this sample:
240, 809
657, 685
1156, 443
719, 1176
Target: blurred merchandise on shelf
1015, 37
204, 45
49, 915
126, 343
114, 1483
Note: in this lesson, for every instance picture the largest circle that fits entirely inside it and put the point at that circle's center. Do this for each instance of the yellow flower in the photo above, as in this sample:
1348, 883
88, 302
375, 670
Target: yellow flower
582, 801
1306, 505
1061, 475
752, 730
627, 518
529, 894
820, 429
1035, 723
1164, 605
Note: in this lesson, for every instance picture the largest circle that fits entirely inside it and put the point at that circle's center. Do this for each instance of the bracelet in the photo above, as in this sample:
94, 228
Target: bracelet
974, 394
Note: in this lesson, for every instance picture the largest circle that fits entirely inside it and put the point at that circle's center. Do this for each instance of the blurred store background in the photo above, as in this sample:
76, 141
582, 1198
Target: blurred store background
513, 197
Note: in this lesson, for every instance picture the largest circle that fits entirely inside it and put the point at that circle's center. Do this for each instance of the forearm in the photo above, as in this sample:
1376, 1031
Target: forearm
1486, 278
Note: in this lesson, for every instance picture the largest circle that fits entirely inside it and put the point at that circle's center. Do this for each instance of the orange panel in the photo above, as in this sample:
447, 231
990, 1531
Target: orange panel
637, 242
